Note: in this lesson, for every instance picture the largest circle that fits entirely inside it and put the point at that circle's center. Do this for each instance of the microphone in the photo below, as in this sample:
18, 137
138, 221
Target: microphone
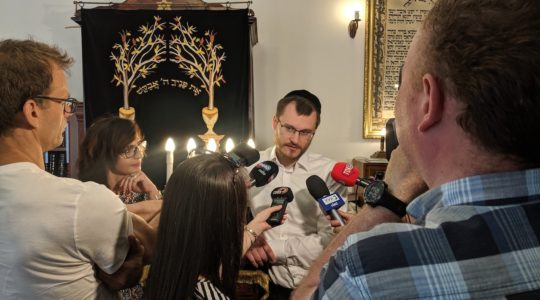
280, 196
243, 155
262, 173
329, 203
348, 175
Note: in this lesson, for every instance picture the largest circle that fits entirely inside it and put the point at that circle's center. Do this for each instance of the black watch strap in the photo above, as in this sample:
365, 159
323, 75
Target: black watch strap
392, 203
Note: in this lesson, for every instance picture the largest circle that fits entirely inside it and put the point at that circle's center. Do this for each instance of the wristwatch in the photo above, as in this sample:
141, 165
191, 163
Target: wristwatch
376, 194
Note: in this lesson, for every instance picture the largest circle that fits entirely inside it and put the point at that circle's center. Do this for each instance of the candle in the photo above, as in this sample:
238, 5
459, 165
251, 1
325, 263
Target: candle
383, 135
191, 145
169, 147
212, 145
251, 143
229, 145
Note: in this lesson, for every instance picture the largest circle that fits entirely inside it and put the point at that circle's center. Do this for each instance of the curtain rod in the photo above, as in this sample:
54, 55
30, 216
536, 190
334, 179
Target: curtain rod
205, 5
227, 4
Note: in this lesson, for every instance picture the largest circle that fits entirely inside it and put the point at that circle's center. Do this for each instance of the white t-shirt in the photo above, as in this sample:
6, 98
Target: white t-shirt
299, 241
53, 231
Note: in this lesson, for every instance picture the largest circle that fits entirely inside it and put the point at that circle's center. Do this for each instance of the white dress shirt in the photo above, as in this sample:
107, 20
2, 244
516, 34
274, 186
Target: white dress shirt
306, 232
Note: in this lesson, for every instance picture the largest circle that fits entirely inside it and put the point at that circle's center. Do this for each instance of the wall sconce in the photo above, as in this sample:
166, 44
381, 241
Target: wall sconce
353, 24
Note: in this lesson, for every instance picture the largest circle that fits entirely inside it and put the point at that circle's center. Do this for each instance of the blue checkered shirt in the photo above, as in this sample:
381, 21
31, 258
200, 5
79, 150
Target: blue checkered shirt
476, 237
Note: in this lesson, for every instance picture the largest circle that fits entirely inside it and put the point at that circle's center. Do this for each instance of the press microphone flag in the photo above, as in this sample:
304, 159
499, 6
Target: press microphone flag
348, 175
329, 202
263, 173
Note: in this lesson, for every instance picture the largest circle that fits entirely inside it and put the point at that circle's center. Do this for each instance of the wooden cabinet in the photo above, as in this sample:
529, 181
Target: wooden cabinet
369, 166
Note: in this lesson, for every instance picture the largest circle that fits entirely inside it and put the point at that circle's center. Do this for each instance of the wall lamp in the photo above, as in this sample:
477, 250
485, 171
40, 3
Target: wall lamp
353, 24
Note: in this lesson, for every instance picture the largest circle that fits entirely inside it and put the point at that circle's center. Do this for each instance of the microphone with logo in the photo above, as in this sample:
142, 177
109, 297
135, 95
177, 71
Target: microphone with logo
329, 202
280, 196
348, 175
262, 173
243, 155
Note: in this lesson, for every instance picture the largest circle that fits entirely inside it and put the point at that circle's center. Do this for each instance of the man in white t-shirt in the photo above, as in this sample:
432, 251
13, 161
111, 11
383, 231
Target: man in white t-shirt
59, 238
292, 246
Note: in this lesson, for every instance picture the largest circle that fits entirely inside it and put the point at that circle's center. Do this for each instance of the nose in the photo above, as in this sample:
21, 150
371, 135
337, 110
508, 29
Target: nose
295, 137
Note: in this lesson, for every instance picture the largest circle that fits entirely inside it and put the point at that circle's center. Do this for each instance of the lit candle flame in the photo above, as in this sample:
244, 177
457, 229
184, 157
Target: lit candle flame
229, 145
169, 145
251, 143
190, 145
212, 145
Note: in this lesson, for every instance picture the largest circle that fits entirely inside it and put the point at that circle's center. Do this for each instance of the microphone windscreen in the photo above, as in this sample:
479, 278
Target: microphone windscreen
317, 187
264, 172
345, 174
245, 154
283, 192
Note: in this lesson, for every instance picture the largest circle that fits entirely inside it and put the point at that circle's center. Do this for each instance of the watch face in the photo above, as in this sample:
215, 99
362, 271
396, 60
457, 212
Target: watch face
374, 191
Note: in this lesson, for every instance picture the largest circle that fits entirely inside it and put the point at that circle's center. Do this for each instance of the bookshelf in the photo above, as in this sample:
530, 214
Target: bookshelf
61, 160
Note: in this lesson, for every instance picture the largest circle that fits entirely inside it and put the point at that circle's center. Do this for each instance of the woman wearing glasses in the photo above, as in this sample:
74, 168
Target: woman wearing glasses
202, 233
111, 154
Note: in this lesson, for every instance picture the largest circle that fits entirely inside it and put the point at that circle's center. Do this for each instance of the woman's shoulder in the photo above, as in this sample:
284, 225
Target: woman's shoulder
204, 289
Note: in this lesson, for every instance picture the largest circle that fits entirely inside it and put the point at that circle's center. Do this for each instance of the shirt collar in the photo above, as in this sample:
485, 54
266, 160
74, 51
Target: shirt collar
302, 162
478, 190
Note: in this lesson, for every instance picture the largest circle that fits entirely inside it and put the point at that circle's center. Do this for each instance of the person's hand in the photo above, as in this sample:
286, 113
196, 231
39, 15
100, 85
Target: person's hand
131, 270
259, 225
404, 181
335, 223
260, 252
139, 183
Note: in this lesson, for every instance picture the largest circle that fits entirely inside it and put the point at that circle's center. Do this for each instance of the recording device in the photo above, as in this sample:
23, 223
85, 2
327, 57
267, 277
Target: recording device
262, 173
280, 196
328, 202
348, 175
243, 155
391, 137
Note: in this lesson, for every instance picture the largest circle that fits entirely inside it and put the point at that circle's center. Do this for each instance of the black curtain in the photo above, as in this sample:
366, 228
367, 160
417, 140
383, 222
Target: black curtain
167, 101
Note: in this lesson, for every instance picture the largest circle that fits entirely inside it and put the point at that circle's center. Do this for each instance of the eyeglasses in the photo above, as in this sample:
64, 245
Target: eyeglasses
135, 151
70, 104
290, 130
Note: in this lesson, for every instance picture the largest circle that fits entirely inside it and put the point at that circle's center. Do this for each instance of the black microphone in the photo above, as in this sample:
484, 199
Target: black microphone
243, 155
329, 203
262, 173
280, 196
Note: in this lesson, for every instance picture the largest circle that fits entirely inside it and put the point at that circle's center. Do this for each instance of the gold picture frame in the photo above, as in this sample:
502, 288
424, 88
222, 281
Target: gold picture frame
390, 26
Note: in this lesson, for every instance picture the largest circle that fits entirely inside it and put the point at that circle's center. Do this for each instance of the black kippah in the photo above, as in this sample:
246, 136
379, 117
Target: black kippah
309, 96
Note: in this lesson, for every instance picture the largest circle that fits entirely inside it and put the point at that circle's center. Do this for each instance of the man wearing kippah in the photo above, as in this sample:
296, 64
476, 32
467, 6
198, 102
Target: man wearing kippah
291, 247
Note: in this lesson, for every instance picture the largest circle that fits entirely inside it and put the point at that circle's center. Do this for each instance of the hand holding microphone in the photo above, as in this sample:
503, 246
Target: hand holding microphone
328, 202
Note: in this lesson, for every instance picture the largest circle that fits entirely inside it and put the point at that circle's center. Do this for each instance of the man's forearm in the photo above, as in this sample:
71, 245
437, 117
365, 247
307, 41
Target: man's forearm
366, 219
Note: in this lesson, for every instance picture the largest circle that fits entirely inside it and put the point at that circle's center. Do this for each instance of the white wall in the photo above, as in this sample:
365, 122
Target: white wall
303, 44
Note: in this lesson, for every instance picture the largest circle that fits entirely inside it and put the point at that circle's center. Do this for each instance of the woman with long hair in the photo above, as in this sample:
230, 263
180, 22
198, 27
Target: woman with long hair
202, 232
111, 153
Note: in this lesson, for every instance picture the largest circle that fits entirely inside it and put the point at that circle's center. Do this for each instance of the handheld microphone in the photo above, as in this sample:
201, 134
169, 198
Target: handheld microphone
329, 203
280, 196
262, 173
348, 175
243, 155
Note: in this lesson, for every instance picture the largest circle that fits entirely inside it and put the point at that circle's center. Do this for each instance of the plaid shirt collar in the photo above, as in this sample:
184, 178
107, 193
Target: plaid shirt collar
480, 190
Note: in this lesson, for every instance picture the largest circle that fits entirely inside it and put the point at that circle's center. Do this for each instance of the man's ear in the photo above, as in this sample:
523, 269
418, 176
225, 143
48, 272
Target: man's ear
274, 122
31, 112
433, 102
